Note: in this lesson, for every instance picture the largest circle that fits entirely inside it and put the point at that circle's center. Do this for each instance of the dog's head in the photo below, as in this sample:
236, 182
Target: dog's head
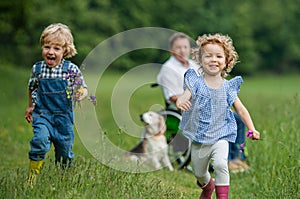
155, 123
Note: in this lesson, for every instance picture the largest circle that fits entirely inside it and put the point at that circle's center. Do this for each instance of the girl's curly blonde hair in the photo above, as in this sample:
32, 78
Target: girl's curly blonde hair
59, 34
231, 56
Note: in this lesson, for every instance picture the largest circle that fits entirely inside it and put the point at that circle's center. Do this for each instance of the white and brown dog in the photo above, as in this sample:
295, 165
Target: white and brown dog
153, 147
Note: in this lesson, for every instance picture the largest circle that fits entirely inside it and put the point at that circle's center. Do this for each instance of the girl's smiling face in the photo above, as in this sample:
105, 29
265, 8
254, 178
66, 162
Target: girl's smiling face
52, 54
212, 59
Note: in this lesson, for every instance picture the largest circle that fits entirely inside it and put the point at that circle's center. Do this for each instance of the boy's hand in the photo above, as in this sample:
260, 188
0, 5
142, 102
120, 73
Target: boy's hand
28, 114
81, 94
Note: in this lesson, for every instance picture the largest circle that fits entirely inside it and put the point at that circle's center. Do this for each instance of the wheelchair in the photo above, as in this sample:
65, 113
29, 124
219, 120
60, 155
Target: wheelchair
179, 146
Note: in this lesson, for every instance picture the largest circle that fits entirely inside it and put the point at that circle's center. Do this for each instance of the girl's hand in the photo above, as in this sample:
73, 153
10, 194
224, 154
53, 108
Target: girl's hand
253, 134
183, 105
256, 135
183, 101
28, 114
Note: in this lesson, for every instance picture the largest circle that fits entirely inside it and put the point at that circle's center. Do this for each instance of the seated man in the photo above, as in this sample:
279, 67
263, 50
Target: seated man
170, 77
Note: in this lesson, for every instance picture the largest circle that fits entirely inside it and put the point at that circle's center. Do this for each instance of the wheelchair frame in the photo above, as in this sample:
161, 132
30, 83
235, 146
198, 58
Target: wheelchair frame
179, 146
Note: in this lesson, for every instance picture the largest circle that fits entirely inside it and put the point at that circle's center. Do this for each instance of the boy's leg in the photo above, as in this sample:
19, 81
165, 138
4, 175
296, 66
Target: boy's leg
63, 140
40, 142
39, 146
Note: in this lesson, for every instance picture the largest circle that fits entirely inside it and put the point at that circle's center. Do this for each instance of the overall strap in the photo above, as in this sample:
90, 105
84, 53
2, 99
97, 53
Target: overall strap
38, 68
66, 64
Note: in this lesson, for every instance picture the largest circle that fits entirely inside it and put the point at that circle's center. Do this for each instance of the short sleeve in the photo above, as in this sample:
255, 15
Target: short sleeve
76, 70
33, 80
234, 88
190, 79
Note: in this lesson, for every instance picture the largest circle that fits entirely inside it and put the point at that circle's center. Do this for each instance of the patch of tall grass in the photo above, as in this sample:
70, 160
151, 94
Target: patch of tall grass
273, 102
86, 179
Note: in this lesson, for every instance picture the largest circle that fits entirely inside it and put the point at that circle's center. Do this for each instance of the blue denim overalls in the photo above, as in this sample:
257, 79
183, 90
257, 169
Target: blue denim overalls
52, 119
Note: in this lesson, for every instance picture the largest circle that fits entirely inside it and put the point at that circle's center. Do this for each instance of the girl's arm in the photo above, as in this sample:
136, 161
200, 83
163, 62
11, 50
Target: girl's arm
246, 118
183, 101
28, 112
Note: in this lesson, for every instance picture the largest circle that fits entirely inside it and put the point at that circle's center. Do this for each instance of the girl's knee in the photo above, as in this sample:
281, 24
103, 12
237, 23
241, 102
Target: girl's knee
204, 179
220, 165
221, 172
202, 176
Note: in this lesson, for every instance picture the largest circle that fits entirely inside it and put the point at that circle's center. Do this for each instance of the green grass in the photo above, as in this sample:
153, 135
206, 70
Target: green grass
273, 102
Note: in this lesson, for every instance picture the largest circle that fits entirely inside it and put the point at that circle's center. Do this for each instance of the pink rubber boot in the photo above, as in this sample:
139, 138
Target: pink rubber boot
207, 190
222, 192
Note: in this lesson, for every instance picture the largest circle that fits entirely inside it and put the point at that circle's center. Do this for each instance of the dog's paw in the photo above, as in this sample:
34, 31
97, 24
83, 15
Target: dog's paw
133, 158
171, 168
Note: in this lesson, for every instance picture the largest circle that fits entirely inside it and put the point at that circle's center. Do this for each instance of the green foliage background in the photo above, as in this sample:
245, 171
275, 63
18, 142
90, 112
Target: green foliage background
265, 33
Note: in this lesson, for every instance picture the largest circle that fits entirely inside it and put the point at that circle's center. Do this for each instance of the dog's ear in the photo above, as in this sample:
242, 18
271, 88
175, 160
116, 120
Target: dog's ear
162, 124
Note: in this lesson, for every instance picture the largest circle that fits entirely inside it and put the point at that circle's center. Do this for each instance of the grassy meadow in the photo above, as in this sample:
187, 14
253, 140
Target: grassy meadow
273, 102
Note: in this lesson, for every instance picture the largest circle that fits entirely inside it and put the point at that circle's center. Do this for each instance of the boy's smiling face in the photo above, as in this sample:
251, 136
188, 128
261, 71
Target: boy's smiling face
52, 54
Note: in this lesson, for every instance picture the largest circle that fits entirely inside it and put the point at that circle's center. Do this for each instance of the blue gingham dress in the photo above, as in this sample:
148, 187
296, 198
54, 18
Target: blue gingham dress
210, 118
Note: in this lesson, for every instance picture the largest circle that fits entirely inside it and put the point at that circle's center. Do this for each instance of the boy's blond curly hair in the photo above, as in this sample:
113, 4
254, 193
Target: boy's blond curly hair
59, 34
231, 56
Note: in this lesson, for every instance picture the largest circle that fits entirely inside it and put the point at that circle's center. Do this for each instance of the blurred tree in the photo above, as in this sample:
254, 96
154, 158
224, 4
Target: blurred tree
12, 28
90, 21
265, 33
275, 27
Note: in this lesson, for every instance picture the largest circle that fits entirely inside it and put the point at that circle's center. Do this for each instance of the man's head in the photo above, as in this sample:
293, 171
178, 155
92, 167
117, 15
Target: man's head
179, 45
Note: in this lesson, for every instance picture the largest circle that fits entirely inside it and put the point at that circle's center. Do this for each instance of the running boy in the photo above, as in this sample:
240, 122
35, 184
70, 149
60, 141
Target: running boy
51, 92
207, 119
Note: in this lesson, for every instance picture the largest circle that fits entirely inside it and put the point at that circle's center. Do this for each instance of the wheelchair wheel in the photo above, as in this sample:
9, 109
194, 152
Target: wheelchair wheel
179, 146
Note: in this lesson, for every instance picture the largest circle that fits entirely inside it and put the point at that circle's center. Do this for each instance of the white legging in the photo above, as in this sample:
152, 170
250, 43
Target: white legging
201, 156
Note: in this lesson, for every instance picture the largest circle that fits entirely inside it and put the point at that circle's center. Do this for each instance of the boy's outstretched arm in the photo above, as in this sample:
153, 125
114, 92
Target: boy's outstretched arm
183, 101
246, 118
